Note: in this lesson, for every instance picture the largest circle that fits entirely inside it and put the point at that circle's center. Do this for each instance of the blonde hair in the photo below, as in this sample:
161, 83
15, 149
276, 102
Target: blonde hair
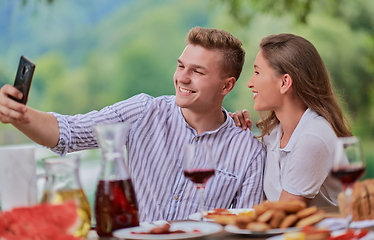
296, 56
233, 55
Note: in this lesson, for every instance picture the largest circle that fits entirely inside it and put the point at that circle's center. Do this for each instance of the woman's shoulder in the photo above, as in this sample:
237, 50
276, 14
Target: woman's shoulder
318, 132
320, 126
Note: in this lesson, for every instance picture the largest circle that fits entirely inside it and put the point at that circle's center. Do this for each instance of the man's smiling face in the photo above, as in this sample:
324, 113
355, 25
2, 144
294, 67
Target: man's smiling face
197, 79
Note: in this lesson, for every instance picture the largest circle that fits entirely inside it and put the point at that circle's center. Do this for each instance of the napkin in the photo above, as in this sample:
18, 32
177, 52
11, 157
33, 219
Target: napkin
340, 223
17, 177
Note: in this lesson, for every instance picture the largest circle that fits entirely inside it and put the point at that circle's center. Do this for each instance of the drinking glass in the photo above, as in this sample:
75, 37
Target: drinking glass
348, 167
198, 166
63, 184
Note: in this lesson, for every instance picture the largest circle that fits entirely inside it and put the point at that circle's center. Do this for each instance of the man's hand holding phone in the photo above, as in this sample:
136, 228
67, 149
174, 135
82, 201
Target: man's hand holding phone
12, 111
13, 98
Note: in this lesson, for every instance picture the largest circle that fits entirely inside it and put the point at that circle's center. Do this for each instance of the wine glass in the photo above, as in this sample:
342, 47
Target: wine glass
198, 166
348, 167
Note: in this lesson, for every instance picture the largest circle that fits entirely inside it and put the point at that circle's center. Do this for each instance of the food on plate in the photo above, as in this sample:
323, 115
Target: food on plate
277, 218
163, 229
274, 215
258, 226
44, 221
225, 220
362, 201
289, 206
266, 216
314, 233
294, 236
311, 220
308, 233
350, 234
226, 217
288, 221
227, 212
242, 221
221, 216
307, 212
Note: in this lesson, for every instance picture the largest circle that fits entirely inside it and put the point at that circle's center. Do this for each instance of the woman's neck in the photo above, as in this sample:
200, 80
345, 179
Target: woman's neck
289, 117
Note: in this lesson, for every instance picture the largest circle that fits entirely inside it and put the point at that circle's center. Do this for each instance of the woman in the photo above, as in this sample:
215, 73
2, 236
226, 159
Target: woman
302, 121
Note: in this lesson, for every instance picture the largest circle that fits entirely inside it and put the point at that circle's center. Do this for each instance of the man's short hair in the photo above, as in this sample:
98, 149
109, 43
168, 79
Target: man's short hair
233, 55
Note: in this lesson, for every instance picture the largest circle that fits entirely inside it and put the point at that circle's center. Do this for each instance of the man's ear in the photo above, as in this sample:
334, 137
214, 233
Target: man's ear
286, 83
229, 85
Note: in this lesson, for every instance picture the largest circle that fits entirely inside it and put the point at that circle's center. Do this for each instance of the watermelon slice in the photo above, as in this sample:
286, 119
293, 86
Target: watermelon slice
44, 221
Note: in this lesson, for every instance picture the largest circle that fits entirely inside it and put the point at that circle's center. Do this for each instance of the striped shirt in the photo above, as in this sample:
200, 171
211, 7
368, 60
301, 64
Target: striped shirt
155, 141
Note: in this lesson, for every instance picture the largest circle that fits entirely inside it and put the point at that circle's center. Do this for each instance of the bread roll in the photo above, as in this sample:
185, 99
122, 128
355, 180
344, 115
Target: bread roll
369, 184
277, 218
289, 221
362, 201
258, 227
307, 212
289, 206
311, 220
266, 216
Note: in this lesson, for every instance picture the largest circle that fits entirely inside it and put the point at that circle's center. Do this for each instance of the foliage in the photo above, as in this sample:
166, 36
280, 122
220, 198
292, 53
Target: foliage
239, 9
90, 54
343, 31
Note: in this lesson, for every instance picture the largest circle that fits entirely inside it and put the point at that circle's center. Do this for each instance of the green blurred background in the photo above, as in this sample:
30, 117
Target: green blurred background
92, 53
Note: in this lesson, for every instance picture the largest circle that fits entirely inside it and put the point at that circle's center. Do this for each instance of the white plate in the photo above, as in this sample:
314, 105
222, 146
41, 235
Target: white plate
196, 216
150, 225
268, 233
369, 236
205, 229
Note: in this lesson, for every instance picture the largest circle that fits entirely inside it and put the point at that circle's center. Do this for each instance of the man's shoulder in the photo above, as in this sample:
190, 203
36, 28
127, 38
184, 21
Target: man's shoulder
241, 137
169, 99
151, 102
235, 130
147, 97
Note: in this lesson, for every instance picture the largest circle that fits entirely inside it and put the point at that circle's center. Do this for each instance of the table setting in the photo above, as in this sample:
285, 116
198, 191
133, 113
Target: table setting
63, 211
328, 223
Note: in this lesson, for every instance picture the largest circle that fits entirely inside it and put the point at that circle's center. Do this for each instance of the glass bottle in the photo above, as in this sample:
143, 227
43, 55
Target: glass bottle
115, 200
63, 184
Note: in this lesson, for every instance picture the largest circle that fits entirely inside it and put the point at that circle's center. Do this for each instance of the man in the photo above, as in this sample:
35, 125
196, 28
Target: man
207, 70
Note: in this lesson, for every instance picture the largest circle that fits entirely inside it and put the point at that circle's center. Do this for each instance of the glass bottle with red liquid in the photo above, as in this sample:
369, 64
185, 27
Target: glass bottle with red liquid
115, 200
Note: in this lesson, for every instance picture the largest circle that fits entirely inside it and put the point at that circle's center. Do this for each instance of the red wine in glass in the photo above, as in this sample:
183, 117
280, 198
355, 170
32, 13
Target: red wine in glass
348, 166
199, 176
198, 166
348, 175
115, 206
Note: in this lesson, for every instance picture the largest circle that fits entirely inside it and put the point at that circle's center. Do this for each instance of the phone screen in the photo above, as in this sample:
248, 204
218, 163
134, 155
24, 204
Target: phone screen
23, 79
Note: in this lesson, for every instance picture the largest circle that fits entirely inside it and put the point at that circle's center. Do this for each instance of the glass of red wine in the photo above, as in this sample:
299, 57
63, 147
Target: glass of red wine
198, 166
348, 167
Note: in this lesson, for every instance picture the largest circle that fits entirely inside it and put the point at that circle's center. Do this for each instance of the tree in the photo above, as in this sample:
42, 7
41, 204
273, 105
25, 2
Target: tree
347, 31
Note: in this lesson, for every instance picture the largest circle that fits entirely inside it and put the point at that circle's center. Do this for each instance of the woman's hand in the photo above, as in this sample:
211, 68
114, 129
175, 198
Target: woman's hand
242, 119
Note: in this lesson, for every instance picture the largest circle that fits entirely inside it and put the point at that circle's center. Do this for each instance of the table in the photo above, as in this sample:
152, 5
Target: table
330, 211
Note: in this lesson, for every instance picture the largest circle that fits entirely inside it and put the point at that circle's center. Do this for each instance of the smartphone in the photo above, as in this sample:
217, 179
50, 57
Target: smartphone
23, 79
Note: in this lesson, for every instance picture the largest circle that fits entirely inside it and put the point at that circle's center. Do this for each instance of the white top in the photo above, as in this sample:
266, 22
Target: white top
303, 166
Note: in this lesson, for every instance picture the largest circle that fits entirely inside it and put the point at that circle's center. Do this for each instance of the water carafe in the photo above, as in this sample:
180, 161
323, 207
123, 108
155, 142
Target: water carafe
115, 201
63, 184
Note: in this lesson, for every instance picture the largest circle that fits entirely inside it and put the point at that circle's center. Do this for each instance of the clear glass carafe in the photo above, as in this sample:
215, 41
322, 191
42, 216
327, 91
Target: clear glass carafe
63, 184
115, 201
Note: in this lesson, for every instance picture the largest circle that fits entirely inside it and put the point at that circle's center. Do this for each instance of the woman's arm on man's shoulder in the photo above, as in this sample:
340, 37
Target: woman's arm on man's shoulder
242, 119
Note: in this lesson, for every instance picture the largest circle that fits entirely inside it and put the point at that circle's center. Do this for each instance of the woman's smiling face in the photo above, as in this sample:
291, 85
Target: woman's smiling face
265, 85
